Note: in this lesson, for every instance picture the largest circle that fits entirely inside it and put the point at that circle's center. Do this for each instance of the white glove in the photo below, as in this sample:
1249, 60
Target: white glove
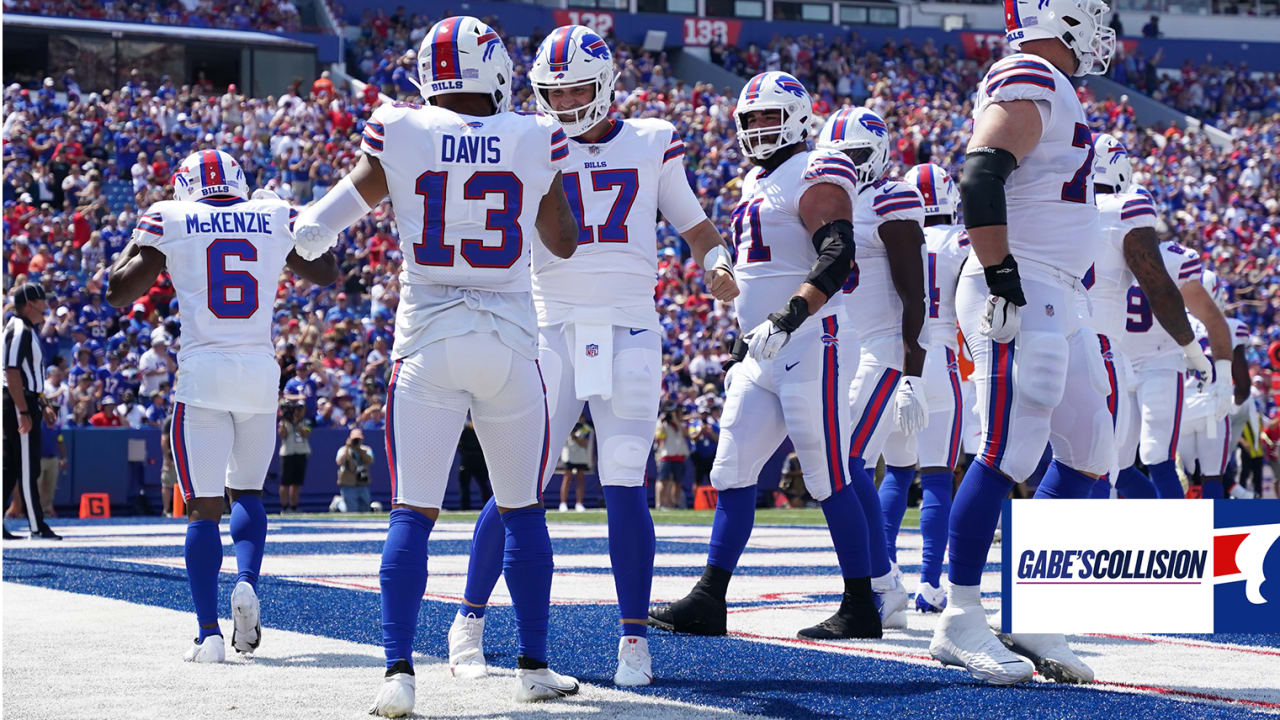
910, 411
1002, 319
264, 194
765, 340
312, 241
1196, 359
1223, 389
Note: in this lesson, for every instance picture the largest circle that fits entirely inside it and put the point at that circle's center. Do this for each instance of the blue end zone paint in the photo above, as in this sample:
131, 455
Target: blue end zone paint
739, 675
1006, 562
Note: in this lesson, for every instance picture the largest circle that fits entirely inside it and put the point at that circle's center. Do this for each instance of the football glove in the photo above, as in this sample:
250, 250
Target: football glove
765, 340
1003, 316
910, 411
312, 241
1223, 389
264, 194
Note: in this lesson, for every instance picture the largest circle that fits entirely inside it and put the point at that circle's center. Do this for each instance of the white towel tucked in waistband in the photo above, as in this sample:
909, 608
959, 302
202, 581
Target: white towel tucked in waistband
592, 353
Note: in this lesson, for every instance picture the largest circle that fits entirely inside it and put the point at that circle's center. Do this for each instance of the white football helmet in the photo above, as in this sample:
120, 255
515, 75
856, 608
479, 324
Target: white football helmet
1215, 287
1111, 164
1079, 24
570, 56
773, 91
862, 135
209, 174
460, 54
937, 188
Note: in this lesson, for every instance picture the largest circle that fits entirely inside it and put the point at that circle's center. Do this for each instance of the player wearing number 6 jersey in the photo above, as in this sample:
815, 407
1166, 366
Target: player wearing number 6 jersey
795, 250
937, 446
224, 252
473, 187
599, 338
1029, 210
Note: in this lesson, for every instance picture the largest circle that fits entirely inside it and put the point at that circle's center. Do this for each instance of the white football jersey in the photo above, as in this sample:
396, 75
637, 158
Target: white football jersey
616, 187
1052, 218
1110, 278
872, 303
947, 247
1144, 338
225, 259
465, 191
775, 251
1196, 389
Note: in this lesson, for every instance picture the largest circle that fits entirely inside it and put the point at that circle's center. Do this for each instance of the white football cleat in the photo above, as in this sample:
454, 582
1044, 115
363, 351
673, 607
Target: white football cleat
395, 697
891, 600
466, 648
635, 666
543, 684
963, 639
246, 631
1240, 492
1051, 656
930, 599
212, 650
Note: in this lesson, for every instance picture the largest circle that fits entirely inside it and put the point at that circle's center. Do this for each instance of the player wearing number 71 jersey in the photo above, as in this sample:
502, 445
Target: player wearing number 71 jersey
1033, 226
224, 252
599, 338
469, 183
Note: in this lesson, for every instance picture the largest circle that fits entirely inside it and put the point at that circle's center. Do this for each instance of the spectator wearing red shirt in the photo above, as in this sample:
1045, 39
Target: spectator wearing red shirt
19, 257
106, 417
80, 229
322, 87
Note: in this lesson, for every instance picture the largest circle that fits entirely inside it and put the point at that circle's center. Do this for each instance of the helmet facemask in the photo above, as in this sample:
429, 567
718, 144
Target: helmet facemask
759, 143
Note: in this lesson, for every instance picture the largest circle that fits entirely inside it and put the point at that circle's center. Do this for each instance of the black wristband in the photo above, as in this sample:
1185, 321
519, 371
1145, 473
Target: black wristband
1003, 281
791, 317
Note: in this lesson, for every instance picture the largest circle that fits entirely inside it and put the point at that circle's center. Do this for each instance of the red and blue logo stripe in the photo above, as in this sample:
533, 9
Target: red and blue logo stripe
374, 134
211, 172
445, 64
558, 52
893, 202
1025, 72
753, 87
839, 123
1012, 19
833, 165
675, 151
152, 223
1108, 359
1190, 269
546, 432
391, 429
871, 414
999, 404
832, 403
1137, 207
1177, 420
957, 405
179, 442
559, 145
924, 182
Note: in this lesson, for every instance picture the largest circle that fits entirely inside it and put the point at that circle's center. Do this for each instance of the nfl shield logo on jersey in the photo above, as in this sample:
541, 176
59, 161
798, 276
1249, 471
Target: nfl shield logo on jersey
593, 350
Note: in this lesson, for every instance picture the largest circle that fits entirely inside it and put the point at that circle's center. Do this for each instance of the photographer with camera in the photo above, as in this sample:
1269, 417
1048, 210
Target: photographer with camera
354, 460
673, 449
295, 449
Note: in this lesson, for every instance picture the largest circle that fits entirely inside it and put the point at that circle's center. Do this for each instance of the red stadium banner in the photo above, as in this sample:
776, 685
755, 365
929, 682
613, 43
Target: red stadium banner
601, 22
701, 32
983, 45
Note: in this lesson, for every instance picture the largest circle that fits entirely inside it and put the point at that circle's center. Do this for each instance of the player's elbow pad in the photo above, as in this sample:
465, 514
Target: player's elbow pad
834, 243
982, 186
337, 210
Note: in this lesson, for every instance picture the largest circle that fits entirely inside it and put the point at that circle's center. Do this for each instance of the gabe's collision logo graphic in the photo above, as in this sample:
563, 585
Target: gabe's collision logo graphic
1246, 566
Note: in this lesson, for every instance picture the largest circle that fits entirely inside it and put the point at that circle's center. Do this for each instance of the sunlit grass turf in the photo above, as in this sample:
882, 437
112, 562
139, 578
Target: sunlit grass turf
769, 516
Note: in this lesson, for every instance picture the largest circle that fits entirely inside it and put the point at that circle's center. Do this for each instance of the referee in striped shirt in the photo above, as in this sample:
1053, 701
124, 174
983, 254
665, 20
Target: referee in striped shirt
24, 405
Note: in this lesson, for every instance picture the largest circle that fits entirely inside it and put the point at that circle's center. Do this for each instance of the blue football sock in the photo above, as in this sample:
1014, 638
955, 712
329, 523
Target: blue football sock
865, 486
1165, 477
631, 548
731, 527
249, 533
527, 564
485, 564
935, 510
203, 552
1101, 489
974, 517
1212, 489
403, 579
893, 500
848, 527
1061, 481
1131, 483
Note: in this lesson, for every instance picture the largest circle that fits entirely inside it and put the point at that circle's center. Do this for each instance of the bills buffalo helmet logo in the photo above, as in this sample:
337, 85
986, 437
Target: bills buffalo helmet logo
874, 124
791, 85
594, 46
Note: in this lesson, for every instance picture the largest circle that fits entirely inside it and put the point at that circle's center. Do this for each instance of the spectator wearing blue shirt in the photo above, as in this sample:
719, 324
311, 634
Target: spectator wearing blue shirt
96, 317
83, 342
83, 366
303, 384
159, 409
340, 311
138, 320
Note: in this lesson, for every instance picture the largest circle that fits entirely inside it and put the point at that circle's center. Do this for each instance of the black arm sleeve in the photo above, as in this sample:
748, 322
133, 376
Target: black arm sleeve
982, 186
834, 243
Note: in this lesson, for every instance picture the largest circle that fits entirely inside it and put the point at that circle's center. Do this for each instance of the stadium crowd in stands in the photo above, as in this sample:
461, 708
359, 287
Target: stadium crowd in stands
270, 15
77, 171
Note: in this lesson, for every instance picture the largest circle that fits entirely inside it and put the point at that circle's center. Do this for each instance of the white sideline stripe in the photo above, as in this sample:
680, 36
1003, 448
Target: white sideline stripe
339, 679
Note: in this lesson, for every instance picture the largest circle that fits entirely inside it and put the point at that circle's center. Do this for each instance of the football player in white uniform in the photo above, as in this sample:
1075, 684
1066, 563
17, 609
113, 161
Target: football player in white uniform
469, 182
599, 337
795, 250
1029, 210
1160, 367
886, 305
1130, 249
1206, 438
224, 252
937, 446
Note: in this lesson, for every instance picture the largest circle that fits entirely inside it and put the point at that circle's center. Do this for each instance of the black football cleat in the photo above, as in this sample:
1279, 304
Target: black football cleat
46, 533
701, 612
857, 619
10, 536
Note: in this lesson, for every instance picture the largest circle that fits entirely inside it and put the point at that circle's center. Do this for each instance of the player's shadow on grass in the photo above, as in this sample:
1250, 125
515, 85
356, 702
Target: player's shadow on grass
323, 660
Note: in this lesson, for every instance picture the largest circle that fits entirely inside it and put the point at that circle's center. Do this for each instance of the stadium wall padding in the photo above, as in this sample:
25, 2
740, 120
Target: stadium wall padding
97, 461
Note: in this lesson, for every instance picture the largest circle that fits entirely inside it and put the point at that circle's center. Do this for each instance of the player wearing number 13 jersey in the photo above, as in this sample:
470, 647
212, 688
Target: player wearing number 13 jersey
599, 341
473, 187
1028, 207
224, 252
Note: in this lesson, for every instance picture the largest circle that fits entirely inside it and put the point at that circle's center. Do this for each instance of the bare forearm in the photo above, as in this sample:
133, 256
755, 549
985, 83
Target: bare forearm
701, 238
1142, 255
990, 244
